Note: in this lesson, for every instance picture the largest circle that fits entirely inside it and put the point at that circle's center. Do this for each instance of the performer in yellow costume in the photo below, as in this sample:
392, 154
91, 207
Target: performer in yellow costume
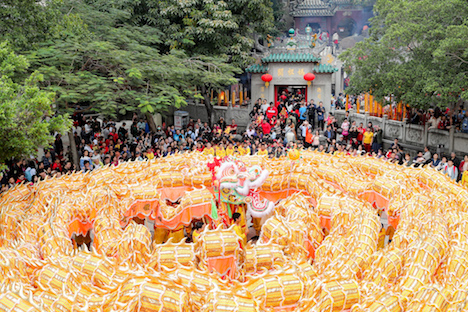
244, 150
240, 209
230, 150
390, 232
263, 150
238, 229
220, 152
177, 235
257, 225
197, 229
464, 180
209, 150
160, 235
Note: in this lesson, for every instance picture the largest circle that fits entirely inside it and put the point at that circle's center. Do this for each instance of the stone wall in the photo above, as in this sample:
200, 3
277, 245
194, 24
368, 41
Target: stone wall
413, 137
241, 115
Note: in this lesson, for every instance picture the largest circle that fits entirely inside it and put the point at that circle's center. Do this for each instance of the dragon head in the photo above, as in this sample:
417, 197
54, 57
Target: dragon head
238, 185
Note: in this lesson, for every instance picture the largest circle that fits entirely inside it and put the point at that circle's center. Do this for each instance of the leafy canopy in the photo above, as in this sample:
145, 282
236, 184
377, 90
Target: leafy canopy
103, 61
214, 28
135, 55
27, 118
24, 23
416, 51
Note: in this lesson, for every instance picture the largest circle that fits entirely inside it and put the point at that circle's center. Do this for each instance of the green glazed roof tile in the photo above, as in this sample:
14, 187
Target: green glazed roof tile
257, 69
325, 68
290, 58
318, 7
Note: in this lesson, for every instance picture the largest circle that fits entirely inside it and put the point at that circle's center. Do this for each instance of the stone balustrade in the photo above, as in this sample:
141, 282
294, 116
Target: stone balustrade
413, 137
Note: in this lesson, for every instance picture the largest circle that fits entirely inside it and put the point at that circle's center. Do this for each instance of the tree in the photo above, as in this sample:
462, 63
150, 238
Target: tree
108, 66
210, 73
24, 23
279, 13
103, 61
27, 117
219, 29
416, 52
210, 27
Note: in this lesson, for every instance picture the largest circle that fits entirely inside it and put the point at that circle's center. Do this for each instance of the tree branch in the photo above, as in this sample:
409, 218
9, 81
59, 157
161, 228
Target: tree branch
458, 58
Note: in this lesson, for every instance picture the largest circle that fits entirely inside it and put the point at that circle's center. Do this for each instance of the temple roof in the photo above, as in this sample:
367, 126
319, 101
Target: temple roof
290, 58
257, 69
325, 69
317, 7
308, 12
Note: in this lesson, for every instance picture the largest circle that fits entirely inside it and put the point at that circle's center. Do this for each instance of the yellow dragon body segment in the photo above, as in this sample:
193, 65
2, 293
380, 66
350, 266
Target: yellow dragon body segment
336, 233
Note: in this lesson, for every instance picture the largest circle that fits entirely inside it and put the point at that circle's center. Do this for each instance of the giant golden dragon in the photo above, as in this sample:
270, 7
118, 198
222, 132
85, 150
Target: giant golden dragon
318, 248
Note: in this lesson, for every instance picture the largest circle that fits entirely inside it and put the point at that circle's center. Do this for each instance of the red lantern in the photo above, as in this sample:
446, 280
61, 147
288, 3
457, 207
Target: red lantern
267, 78
309, 77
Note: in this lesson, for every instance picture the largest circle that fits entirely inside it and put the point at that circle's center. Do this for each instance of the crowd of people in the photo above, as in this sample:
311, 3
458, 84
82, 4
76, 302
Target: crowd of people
274, 129
435, 118
440, 119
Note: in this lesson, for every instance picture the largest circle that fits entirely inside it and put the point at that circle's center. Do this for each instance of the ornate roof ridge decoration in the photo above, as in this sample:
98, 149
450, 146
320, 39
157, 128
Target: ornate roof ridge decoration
290, 58
301, 8
257, 69
325, 69
310, 12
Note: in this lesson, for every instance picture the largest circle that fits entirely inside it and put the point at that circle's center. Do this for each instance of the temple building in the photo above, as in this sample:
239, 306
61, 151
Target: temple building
322, 29
288, 71
343, 17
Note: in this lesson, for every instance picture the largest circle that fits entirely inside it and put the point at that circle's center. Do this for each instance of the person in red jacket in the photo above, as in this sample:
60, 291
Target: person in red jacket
271, 111
113, 135
266, 128
57, 166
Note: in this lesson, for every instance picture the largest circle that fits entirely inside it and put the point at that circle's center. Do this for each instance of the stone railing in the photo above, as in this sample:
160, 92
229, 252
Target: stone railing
413, 137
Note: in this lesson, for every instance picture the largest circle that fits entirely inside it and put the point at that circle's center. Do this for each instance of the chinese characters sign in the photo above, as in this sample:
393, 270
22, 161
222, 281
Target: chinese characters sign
290, 72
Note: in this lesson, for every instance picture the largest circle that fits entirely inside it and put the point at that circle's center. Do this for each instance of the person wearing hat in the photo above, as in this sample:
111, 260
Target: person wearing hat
138, 156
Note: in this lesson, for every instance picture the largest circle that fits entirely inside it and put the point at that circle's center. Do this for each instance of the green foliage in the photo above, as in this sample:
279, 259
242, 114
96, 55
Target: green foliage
24, 23
146, 55
27, 118
279, 10
416, 51
215, 28
109, 65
